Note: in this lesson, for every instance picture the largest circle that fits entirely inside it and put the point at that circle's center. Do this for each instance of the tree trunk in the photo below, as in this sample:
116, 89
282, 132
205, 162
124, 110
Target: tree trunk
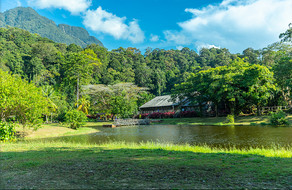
201, 109
232, 108
258, 110
77, 91
216, 110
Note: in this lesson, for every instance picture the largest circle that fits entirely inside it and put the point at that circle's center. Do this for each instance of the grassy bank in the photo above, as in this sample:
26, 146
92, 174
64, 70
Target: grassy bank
57, 130
242, 120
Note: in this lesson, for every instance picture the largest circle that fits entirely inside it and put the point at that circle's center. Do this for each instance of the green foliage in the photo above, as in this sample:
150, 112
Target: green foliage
22, 100
83, 105
123, 106
289, 111
119, 99
144, 97
278, 118
238, 85
77, 66
7, 131
229, 119
287, 36
283, 75
75, 119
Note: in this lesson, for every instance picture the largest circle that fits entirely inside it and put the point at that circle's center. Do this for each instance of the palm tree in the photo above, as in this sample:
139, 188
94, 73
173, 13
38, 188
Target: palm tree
83, 105
49, 93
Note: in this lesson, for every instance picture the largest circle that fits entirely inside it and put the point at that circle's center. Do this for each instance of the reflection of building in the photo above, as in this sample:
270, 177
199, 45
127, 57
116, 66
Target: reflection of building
163, 104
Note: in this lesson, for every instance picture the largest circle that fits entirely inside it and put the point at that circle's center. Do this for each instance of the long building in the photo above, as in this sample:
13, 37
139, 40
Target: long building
164, 104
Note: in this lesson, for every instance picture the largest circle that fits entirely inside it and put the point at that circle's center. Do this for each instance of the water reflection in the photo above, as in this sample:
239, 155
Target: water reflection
214, 136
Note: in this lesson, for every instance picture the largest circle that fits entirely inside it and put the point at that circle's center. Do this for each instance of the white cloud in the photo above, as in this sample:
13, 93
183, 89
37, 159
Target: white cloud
73, 6
101, 21
201, 45
235, 24
154, 38
179, 47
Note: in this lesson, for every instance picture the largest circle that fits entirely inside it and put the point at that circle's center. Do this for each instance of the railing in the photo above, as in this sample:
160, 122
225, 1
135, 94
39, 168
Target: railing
129, 122
274, 108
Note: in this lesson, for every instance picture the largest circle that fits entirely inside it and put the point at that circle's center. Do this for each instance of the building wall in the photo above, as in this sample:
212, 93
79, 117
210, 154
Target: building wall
159, 109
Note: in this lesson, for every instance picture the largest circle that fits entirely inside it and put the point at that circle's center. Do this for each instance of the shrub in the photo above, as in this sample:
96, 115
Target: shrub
155, 115
7, 131
278, 118
75, 119
188, 114
229, 119
158, 115
168, 114
143, 116
289, 111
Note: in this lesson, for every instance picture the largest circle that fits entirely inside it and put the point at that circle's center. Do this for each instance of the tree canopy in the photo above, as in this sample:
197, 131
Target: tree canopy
21, 101
238, 85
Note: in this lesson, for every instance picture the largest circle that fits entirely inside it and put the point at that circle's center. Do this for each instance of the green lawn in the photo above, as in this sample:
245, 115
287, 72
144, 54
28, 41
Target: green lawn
43, 165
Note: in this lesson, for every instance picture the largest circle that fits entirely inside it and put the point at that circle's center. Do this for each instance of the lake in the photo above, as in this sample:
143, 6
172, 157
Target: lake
214, 136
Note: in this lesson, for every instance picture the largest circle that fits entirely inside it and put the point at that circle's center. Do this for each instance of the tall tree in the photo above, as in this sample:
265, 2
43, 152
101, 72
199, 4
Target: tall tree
283, 76
77, 71
287, 36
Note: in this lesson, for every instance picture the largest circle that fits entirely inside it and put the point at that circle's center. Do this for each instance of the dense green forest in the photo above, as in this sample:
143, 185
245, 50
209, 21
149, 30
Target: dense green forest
120, 80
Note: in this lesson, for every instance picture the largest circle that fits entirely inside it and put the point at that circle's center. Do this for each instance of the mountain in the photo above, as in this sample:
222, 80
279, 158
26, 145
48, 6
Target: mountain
30, 20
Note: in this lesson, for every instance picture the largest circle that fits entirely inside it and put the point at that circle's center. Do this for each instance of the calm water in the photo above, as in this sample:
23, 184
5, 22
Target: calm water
215, 136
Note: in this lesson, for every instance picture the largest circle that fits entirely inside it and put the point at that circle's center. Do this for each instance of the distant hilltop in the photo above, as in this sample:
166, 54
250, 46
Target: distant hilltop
28, 19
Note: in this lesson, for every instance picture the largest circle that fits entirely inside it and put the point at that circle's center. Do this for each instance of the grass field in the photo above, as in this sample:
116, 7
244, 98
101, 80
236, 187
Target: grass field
122, 166
38, 164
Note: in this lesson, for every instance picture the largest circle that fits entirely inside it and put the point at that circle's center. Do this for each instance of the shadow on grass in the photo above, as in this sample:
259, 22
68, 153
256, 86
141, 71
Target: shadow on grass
103, 168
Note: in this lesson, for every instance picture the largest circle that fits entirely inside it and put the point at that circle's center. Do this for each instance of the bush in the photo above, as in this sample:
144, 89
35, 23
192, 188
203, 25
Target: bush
229, 119
289, 111
278, 118
168, 114
158, 115
61, 114
75, 119
7, 131
188, 114
142, 116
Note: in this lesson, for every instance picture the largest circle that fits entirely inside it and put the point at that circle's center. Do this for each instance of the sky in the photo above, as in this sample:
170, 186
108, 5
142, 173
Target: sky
170, 24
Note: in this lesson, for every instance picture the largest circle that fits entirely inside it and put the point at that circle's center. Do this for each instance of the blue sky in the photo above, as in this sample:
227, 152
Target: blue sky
171, 24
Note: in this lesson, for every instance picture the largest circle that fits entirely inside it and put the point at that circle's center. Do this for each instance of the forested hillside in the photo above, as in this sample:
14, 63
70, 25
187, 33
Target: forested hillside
30, 20
65, 69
